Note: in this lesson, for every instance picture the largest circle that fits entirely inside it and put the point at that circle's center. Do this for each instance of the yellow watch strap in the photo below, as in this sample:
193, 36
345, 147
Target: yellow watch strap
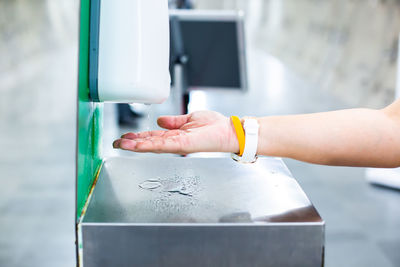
239, 133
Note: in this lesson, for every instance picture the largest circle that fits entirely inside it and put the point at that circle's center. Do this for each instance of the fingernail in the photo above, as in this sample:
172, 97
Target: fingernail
116, 143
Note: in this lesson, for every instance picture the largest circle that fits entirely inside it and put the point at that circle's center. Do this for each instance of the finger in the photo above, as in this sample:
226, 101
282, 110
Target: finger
173, 122
159, 146
151, 134
116, 143
155, 145
143, 134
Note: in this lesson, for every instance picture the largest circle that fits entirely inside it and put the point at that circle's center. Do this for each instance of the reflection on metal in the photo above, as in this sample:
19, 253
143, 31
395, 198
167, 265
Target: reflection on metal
229, 214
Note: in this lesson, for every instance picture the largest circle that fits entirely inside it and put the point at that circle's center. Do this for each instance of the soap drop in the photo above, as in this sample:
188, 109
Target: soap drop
150, 117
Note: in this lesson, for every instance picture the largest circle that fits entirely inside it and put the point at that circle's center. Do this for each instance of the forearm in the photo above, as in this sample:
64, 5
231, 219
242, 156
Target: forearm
356, 137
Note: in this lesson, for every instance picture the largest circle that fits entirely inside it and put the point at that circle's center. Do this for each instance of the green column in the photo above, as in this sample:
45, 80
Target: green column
89, 119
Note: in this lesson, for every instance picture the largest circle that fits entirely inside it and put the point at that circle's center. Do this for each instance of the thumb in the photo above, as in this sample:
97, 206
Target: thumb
173, 122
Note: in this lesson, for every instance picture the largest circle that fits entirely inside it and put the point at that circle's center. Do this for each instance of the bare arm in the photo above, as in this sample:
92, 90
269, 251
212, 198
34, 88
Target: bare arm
355, 137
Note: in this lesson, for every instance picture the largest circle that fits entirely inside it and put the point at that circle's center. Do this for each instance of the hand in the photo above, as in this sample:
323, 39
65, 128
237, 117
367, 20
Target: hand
202, 131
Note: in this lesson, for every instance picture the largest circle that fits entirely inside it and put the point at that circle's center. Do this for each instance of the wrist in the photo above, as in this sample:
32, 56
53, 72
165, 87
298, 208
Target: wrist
265, 140
260, 139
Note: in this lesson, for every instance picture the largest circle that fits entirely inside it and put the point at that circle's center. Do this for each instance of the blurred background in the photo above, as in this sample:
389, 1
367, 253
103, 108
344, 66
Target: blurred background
302, 56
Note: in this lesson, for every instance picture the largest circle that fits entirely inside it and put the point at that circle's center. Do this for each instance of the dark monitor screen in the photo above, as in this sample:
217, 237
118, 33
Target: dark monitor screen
214, 45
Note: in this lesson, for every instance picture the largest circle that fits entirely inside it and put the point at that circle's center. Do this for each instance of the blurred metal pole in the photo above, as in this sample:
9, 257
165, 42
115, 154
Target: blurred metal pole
180, 89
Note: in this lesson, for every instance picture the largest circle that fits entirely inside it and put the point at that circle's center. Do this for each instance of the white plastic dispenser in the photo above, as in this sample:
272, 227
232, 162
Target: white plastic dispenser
129, 51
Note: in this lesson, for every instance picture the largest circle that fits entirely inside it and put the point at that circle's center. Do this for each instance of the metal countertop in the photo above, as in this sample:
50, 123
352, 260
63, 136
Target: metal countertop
197, 190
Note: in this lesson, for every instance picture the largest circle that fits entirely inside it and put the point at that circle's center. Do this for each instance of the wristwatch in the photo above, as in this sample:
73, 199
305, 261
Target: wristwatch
249, 155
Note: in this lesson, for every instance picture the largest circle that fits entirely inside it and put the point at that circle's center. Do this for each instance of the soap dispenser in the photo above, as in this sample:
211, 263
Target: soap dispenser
129, 51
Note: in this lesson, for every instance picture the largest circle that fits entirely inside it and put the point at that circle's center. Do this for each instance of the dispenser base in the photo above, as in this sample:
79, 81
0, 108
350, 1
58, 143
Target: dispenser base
199, 212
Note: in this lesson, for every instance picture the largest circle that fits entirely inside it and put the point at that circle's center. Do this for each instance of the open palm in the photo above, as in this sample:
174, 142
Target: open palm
202, 131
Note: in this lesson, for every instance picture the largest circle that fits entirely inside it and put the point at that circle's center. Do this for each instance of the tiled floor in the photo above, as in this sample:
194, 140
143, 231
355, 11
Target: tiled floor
37, 128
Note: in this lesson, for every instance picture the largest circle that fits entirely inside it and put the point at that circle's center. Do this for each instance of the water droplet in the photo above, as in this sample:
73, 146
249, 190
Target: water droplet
150, 184
180, 190
147, 122
172, 186
153, 180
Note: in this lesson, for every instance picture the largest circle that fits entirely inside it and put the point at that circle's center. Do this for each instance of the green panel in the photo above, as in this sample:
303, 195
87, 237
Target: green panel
90, 119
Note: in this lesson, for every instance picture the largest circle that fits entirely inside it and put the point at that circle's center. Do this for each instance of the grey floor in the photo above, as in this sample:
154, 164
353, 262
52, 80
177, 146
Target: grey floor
38, 65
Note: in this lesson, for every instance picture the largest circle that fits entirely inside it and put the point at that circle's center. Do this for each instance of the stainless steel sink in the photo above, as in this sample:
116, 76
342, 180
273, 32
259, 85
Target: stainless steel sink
199, 212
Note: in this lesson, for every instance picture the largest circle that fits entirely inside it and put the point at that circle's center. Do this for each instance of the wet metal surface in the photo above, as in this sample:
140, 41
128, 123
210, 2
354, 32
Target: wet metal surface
196, 190
176, 211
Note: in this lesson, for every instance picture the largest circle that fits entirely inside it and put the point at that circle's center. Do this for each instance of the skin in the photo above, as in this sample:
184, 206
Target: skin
353, 137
